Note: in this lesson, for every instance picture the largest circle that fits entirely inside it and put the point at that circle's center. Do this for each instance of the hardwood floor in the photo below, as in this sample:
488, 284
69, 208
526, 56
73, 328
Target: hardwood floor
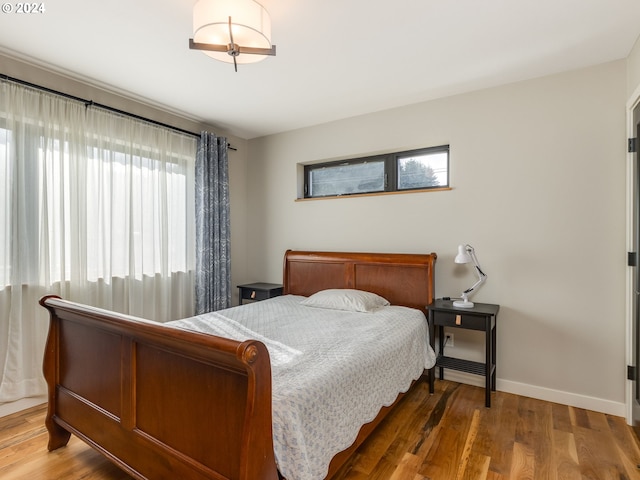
448, 435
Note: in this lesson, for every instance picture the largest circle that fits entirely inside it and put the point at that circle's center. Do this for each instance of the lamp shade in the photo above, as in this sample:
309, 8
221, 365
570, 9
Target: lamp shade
250, 26
462, 256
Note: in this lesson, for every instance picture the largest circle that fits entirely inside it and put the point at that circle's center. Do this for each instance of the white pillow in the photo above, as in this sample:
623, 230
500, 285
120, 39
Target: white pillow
346, 299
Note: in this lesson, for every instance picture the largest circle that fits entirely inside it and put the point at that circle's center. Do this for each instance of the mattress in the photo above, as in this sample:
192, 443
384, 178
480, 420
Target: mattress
332, 370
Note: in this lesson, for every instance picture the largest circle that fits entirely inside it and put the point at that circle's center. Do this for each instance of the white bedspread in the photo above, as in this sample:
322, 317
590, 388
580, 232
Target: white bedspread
332, 371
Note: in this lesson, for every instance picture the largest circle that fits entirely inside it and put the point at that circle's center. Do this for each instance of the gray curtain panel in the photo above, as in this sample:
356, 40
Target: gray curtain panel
213, 259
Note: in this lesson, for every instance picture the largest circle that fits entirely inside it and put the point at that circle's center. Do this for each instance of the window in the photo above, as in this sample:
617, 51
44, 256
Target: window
95, 207
421, 169
134, 210
87, 195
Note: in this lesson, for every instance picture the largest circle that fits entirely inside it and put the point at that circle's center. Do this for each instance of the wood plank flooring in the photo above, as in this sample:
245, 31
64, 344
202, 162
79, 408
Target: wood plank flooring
446, 436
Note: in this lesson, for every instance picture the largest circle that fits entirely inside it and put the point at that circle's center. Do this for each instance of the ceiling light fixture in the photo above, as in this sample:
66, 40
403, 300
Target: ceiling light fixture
232, 31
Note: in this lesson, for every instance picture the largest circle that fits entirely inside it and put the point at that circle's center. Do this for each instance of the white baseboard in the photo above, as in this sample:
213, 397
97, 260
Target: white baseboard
541, 393
22, 404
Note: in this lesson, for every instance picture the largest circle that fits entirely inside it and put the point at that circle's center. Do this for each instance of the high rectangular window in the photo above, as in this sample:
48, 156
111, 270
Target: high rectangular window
420, 169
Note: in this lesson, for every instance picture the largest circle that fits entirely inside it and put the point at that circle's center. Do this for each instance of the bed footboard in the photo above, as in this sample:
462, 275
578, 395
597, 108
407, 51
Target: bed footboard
158, 401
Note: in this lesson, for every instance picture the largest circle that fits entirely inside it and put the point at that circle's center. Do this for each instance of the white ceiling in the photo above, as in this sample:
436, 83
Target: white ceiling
335, 58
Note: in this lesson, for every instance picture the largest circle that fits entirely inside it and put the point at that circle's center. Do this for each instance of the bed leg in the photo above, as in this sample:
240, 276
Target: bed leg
432, 372
58, 436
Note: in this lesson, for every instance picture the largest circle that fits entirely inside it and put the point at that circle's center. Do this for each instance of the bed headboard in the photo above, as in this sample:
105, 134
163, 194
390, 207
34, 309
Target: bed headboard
403, 279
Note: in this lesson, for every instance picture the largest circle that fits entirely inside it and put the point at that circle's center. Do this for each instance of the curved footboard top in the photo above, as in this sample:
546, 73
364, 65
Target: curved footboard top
159, 401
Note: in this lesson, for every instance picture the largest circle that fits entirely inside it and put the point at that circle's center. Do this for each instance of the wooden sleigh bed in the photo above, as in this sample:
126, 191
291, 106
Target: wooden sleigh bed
161, 402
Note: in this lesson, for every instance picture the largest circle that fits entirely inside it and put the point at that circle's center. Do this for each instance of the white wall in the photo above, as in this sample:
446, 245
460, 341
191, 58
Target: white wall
633, 69
538, 188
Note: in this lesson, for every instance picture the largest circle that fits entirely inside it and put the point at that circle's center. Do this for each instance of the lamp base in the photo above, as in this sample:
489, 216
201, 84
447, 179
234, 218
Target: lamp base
463, 304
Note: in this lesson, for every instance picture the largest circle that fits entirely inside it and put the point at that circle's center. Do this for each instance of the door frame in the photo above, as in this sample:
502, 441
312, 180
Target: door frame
632, 103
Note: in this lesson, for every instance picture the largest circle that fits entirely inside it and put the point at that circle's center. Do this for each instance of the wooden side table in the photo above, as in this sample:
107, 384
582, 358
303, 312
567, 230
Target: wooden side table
259, 291
482, 317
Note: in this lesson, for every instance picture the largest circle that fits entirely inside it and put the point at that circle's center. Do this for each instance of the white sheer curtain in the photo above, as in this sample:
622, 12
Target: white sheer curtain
95, 207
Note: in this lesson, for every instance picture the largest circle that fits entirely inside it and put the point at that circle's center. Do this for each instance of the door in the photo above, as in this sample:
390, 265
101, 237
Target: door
636, 275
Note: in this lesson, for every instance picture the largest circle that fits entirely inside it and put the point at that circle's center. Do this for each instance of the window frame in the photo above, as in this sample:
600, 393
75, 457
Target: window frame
390, 171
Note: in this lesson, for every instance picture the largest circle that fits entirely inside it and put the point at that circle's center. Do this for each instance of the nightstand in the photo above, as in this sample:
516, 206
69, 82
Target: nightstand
482, 317
259, 291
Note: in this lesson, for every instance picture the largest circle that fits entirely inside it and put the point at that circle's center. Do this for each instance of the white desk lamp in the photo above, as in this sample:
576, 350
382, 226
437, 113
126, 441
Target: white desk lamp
466, 254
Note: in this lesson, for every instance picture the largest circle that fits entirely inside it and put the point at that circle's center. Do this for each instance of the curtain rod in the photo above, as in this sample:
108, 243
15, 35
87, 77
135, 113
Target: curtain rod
89, 103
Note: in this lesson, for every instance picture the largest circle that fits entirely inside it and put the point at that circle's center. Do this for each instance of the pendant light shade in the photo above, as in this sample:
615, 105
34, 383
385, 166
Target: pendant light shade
232, 31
